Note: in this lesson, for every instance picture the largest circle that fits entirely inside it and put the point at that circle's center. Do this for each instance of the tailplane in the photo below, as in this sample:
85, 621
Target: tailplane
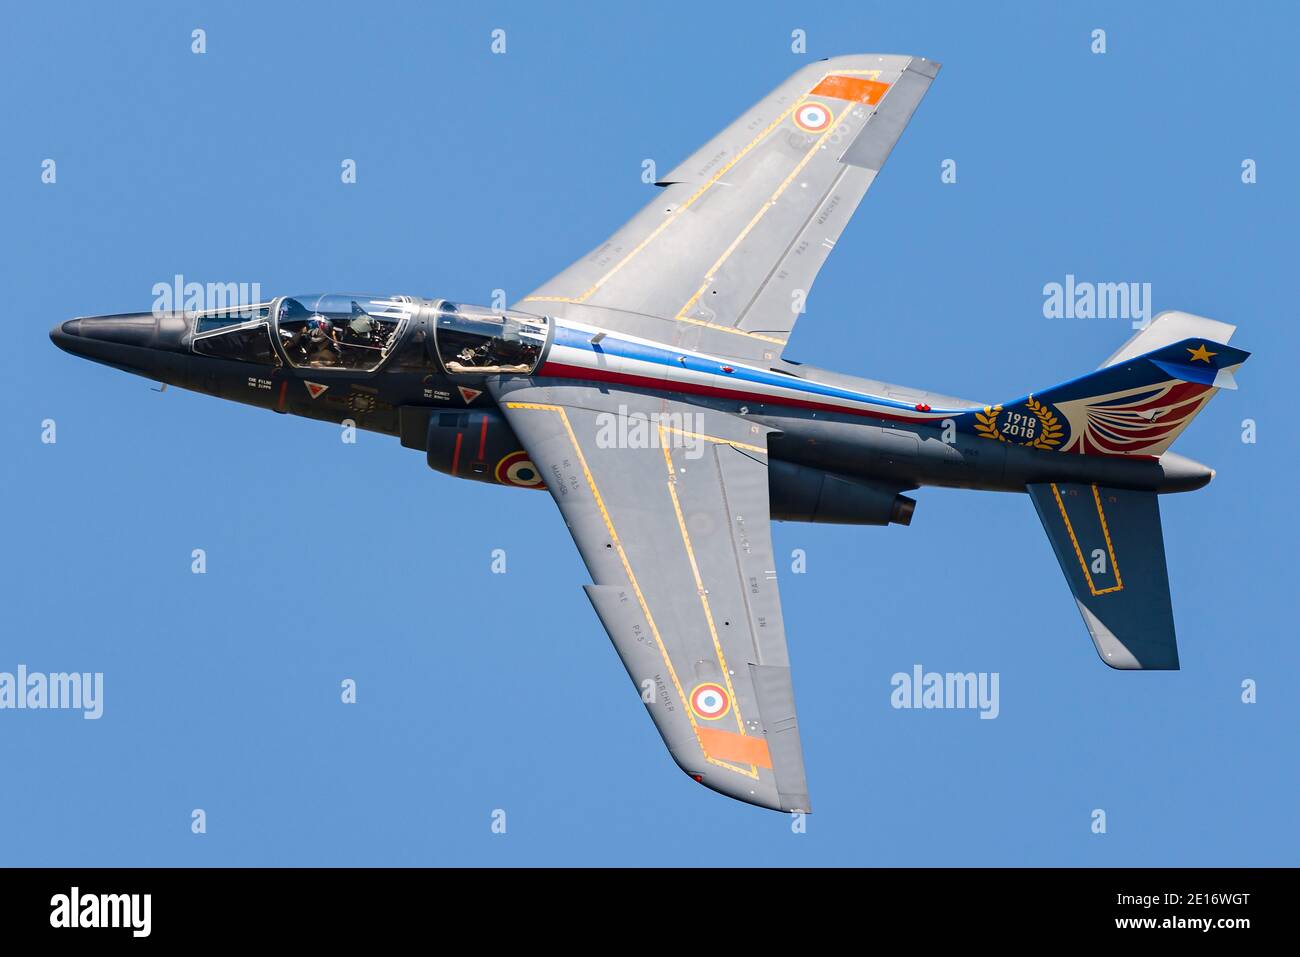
1110, 547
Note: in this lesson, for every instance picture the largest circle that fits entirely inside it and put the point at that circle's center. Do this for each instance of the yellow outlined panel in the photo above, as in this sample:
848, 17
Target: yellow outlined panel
1105, 529
704, 597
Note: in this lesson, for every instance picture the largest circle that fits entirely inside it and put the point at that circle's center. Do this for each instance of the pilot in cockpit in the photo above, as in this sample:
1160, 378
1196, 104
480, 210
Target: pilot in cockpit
316, 343
322, 347
479, 356
360, 324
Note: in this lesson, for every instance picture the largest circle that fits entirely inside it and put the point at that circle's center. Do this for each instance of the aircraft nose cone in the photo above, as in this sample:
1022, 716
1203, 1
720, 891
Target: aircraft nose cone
143, 330
132, 329
65, 334
139, 342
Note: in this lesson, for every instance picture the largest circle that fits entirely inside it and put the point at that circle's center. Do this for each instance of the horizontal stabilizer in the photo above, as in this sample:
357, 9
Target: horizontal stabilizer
1111, 549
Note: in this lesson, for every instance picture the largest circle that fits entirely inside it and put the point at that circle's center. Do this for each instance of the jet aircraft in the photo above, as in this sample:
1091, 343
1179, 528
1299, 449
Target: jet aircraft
645, 388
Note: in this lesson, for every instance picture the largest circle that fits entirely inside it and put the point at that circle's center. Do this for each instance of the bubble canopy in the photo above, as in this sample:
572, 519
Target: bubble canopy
340, 331
474, 340
358, 333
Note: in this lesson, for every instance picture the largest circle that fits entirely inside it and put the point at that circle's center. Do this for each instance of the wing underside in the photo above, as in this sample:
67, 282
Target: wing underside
668, 504
723, 259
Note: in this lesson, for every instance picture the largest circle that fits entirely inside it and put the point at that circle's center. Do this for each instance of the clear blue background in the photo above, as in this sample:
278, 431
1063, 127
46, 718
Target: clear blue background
481, 691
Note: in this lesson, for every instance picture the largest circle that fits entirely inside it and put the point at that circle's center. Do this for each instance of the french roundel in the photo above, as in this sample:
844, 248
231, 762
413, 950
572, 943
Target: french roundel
812, 117
518, 469
710, 701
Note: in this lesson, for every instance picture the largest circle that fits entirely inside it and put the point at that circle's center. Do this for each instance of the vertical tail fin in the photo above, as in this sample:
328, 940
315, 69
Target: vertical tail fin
1137, 403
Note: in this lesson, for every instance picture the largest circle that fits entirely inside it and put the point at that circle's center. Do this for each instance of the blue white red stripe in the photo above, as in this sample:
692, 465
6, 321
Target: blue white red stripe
634, 362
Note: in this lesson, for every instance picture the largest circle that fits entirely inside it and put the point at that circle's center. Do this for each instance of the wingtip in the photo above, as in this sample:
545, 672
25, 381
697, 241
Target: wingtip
762, 794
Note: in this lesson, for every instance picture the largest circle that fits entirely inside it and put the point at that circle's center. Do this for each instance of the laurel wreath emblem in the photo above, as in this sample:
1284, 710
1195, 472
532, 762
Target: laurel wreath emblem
1048, 437
986, 423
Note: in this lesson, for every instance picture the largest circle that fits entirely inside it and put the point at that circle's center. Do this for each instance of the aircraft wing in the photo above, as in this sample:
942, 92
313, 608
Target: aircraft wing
722, 260
668, 504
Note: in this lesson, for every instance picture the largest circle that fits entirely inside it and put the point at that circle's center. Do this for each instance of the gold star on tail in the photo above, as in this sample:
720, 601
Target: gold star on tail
1201, 353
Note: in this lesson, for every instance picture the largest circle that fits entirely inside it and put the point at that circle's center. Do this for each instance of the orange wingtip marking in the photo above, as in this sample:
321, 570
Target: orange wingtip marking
851, 88
728, 746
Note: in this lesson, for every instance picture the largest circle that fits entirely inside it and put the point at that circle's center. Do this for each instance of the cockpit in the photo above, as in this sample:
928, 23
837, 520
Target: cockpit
358, 333
334, 331
475, 340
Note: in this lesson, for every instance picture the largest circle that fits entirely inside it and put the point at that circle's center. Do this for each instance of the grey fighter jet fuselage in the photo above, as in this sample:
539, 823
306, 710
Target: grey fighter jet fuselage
842, 467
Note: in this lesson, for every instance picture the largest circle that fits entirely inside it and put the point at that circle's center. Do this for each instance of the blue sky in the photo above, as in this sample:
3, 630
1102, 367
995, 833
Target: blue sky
479, 691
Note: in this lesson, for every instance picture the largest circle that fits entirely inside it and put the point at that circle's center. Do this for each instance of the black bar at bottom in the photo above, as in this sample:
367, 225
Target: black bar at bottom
366, 905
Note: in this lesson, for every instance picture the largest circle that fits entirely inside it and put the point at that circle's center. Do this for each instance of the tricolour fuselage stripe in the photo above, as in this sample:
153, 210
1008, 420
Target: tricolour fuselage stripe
644, 364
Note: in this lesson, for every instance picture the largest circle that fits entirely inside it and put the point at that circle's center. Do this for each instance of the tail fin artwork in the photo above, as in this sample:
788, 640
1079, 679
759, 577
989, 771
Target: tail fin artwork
1136, 404
1108, 540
